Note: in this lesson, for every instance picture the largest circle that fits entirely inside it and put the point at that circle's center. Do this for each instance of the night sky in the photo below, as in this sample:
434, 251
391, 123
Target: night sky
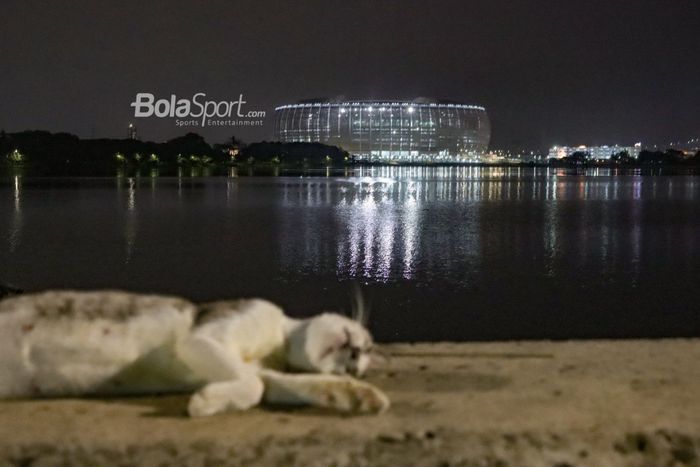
584, 72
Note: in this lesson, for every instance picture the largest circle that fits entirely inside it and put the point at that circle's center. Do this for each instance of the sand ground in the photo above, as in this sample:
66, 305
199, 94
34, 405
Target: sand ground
595, 403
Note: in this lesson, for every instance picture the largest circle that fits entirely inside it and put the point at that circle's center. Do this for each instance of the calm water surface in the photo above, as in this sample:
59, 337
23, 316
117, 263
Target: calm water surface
445, 253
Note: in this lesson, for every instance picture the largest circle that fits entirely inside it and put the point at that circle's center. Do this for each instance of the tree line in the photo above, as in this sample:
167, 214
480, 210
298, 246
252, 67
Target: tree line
645, 157
55, 152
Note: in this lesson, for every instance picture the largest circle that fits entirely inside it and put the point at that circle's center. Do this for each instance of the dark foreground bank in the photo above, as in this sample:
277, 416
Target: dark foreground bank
598, 403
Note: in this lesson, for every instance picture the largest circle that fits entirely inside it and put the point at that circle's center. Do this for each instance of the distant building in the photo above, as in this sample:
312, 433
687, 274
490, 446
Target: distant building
516, 156
131, 133
421, 130
594, 152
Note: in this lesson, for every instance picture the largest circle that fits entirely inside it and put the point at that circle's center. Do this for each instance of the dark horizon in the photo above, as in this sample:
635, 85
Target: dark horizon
559, 73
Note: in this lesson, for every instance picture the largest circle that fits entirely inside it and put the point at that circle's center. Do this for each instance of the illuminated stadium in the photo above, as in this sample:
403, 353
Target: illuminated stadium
389, 131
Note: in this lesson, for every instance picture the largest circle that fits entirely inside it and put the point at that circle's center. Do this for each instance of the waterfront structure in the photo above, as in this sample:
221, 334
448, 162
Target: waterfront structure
389, 131
132, 133
594, 152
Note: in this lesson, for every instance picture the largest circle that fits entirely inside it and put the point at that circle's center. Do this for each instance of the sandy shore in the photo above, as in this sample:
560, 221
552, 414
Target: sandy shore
599, 403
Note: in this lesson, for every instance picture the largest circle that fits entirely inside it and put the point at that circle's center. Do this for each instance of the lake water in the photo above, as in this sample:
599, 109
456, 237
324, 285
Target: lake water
443, 253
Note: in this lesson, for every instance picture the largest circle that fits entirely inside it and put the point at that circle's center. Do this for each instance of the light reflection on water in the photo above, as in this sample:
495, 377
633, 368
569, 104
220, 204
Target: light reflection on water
386, 225
499, 242
15, 231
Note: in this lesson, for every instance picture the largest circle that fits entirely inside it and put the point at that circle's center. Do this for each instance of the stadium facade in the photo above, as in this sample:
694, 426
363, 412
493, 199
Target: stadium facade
389, 131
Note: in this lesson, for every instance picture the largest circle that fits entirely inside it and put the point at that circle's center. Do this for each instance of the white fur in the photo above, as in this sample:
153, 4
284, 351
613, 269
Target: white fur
234, 354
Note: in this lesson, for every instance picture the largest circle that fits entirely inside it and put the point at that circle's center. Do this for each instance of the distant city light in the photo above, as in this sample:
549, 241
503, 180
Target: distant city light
16, 156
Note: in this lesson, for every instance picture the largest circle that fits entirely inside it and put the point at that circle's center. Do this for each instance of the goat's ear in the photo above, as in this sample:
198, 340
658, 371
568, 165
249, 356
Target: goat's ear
360, 310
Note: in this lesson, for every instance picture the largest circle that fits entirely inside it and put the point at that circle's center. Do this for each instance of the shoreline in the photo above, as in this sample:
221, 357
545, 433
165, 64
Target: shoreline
575, 403
276, 170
